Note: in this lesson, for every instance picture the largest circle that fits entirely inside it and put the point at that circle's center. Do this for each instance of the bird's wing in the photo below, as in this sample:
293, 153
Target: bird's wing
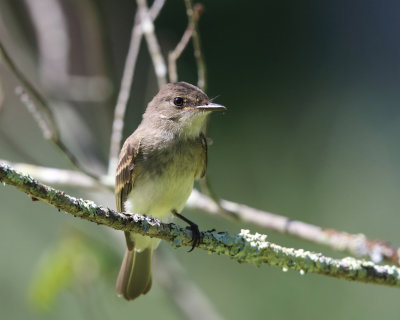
125, 176
204, 146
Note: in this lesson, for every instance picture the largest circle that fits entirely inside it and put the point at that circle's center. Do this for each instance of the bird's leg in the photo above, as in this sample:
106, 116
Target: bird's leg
196, 236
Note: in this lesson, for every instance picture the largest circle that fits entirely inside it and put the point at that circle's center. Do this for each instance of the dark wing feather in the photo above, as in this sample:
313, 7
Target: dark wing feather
125, 176
204, 146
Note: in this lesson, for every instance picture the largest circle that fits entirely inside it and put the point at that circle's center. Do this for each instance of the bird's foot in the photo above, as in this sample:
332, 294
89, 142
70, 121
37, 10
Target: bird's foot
196, 235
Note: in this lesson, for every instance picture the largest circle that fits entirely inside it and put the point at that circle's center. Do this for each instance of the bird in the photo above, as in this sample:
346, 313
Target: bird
157, 167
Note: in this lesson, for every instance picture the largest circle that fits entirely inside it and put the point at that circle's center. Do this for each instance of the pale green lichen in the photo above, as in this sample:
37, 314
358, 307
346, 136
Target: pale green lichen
145, 225
243, 247
137, 217
153, 221
256, 240
89, 205
253, 248
224, 237
178, 236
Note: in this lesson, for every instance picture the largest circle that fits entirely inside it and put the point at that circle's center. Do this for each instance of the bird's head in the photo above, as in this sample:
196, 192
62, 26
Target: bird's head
182, 107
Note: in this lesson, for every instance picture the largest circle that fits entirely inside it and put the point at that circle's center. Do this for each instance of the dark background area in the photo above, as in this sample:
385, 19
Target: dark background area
311, 132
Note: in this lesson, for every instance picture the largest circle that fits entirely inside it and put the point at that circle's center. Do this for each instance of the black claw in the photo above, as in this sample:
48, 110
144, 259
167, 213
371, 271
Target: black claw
196, 235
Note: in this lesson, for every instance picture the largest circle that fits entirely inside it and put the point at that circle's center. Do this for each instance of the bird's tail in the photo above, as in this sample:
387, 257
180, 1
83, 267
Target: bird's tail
134, 276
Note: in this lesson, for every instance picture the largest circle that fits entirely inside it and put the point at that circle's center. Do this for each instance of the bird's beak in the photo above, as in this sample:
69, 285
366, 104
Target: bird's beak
211, 107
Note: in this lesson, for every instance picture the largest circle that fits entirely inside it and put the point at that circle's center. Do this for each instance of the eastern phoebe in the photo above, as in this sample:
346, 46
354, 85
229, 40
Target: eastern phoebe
157, 167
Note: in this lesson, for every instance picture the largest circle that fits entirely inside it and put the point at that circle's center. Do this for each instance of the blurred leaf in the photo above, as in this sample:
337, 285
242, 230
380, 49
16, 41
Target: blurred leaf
71, 264
53, 274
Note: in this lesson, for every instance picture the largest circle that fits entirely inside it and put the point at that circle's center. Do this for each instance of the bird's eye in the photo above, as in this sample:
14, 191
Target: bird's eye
178, 101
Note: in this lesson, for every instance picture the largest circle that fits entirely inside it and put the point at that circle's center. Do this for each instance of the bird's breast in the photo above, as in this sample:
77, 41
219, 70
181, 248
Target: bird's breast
164, 177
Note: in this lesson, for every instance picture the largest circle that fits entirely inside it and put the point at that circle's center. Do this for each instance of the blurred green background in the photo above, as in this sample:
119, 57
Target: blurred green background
311, 132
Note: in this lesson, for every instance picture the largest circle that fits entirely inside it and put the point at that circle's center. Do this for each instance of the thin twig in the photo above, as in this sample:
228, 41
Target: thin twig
243, 247
193, 16
155, 8
174, 55
60, 177
159, 64
30, 90
41, 118
39, 108
126, 84
123, 96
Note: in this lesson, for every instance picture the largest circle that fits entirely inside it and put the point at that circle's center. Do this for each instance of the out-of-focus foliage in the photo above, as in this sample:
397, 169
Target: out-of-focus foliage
75, 262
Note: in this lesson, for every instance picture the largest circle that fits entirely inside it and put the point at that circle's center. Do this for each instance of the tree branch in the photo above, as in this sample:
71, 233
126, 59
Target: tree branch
243, 247
355, 244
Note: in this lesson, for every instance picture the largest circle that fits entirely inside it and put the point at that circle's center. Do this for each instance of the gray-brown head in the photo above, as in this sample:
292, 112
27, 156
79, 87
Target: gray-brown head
180, 107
